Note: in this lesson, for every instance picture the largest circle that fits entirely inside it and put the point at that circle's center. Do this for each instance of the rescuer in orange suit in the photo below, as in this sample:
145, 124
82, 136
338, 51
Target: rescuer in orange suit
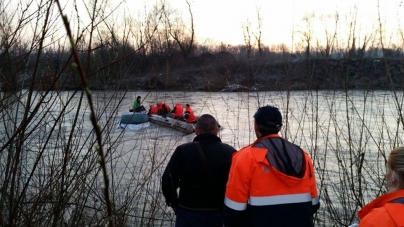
153, 109
163, 109
178, 111
189, 114
271, 182
387, 210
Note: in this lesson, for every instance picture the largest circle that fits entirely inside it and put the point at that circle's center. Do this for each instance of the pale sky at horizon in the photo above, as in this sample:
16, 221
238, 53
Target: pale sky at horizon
222, 20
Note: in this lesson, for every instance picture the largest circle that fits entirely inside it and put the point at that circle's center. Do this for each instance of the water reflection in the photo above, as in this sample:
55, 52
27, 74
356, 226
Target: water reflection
336, 128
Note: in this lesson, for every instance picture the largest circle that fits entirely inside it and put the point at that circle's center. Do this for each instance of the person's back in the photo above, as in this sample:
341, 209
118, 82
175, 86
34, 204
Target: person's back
201, 174
136, 103
387, 211
178, 111
271, 182
163, 109
166, 108
153, 110
189, 114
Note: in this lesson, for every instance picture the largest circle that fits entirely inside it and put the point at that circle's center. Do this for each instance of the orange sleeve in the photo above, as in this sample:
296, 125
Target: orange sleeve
238, 185
315, 199
313, 185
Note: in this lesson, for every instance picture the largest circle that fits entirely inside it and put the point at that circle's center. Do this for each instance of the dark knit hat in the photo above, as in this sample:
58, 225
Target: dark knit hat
268, 116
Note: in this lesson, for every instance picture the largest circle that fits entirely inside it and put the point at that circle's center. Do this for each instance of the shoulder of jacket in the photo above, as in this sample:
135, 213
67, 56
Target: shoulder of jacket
227, 146
377, 217
250, 151
185, 145
307, 155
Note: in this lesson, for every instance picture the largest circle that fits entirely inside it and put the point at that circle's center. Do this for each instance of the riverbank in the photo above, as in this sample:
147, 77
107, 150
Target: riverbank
233, 76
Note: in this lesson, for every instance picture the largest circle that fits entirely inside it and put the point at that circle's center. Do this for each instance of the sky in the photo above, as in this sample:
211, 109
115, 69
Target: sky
222, 20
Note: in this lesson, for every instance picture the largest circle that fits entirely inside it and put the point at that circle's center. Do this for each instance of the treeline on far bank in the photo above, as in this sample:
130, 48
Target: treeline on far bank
225, 68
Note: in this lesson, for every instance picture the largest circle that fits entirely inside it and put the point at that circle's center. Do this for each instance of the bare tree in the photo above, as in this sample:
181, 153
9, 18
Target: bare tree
330, 36
258, 33
181, 34
307, 33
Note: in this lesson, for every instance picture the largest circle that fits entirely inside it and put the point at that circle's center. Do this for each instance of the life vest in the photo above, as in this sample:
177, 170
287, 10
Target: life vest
153, 109
163, 107
160, 105
178, 110
166, 107
191, 115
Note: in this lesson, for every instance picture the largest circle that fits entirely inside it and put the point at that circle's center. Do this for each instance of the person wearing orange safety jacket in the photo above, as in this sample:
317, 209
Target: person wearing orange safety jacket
163, 109
189, 114
177, 111
387, 210
271, 182
153, 109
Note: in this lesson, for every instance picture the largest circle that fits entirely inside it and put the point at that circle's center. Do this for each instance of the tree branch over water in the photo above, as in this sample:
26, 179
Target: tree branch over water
93, 115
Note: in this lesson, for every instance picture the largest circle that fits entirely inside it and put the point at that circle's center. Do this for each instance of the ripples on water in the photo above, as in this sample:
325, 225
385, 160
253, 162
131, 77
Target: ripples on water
336, 128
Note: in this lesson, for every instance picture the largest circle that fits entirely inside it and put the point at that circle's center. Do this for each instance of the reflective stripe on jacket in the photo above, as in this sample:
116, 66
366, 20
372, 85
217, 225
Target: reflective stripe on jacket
384, 211
258, 194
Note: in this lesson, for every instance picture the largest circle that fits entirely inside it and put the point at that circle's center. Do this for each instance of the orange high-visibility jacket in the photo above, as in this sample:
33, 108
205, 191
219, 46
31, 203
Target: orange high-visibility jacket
163, 107
386, 210
258, 194
191, 117
153, 109
178, 110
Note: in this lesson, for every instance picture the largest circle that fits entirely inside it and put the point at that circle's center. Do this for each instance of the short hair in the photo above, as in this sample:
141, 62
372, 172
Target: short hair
187, 105
395, 162
264, 130
206, 123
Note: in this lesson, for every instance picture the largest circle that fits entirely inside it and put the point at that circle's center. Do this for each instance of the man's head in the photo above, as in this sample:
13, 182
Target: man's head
206, 124
138, 98
268, 120
187, 105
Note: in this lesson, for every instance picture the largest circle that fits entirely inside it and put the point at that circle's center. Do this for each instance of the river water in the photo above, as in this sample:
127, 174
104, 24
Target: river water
348, 135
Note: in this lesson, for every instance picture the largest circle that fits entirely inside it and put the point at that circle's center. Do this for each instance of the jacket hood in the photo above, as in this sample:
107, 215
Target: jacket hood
259, 155
286, 160
381, 201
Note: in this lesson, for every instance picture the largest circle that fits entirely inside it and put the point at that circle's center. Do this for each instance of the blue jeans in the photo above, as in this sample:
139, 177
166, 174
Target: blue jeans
189, 218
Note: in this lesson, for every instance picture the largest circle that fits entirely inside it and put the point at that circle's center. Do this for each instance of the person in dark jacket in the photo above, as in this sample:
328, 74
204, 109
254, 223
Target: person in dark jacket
272, 181
199, 170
